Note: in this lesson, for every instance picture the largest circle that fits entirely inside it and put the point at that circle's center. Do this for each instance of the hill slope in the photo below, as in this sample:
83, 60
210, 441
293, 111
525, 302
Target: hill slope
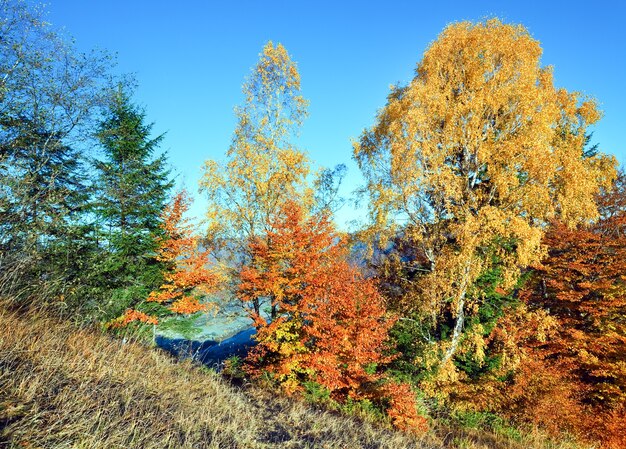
62, 387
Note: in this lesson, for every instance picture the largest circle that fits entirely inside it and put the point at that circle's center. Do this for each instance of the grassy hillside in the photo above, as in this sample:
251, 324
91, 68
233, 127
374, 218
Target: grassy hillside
62, 387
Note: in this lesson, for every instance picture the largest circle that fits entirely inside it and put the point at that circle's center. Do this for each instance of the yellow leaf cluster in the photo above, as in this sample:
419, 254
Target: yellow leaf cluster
474, 157
263, 168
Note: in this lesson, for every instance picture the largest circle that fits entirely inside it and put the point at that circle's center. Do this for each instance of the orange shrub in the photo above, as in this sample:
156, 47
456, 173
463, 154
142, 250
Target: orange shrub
327, 323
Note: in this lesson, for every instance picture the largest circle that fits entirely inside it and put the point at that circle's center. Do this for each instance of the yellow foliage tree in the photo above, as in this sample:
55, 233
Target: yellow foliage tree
263, 167
471, 159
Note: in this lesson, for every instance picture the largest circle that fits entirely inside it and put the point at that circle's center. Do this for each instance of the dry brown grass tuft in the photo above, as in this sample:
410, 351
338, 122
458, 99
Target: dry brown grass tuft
62, 387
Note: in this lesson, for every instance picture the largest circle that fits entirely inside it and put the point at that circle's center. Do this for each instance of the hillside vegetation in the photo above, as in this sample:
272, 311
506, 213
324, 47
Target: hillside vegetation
488, 301
62, 387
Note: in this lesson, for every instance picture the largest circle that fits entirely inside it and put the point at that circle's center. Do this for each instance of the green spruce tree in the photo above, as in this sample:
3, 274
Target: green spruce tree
132, 184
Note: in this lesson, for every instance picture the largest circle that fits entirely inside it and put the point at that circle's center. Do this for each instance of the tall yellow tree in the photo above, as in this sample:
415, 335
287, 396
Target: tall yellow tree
263, 167
471, 159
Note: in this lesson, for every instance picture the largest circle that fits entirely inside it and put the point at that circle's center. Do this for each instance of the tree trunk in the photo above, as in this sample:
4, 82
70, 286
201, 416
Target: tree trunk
458, 328
460, 316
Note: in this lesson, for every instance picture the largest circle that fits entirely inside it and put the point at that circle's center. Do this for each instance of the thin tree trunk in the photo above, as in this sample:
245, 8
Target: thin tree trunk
458, 328
460, 316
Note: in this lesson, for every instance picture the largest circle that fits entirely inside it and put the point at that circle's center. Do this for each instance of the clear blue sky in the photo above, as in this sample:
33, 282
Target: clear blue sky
190, 61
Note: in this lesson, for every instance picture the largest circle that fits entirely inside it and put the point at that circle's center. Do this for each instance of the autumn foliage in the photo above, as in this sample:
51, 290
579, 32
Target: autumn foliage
583, 286
325, 322
498, 246
188, 274
469, 162
130, 316
490, 279
467, 167
566, 342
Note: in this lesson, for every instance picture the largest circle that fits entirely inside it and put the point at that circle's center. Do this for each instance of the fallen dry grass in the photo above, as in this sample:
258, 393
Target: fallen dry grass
62, 387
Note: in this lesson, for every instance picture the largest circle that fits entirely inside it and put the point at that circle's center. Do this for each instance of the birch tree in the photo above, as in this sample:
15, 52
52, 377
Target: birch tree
263, 166
470, 160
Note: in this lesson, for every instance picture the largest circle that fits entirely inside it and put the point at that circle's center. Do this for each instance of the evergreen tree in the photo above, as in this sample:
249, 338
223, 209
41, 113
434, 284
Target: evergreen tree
132, 185
48, 94
44, 203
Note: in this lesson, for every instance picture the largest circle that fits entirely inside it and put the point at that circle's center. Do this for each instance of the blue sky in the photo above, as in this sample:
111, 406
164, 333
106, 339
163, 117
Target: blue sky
190, 60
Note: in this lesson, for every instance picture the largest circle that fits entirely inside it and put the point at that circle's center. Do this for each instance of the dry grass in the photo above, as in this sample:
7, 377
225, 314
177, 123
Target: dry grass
62, 387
